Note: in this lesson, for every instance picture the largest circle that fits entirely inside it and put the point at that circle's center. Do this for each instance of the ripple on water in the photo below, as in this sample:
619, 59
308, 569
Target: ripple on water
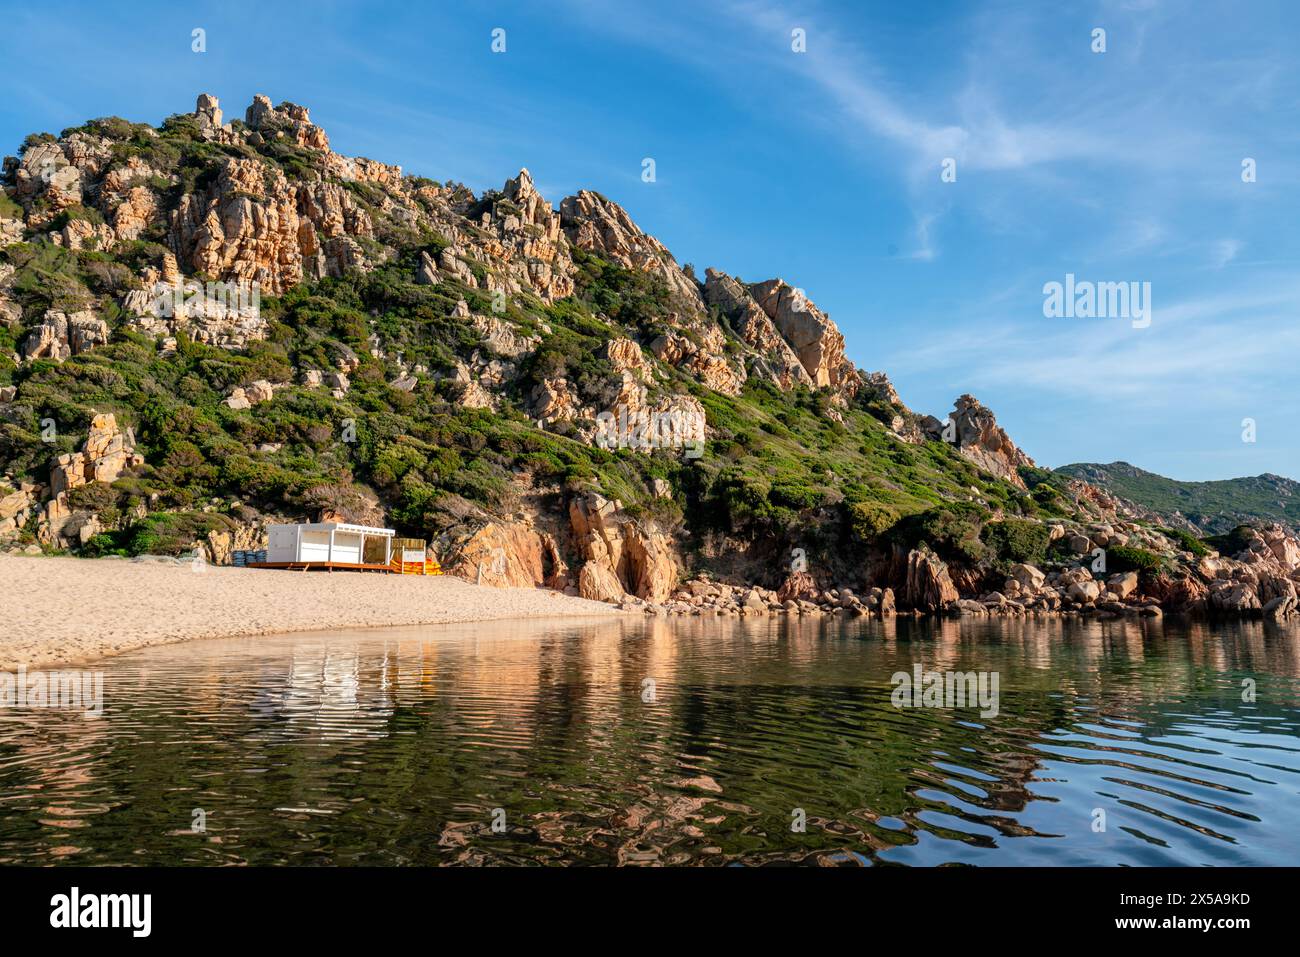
754, 742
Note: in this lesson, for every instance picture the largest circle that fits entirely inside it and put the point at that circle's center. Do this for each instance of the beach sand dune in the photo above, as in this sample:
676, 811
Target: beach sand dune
67, 610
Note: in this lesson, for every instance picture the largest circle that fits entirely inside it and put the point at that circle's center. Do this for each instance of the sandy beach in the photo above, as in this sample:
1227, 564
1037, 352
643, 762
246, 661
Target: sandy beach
68, 610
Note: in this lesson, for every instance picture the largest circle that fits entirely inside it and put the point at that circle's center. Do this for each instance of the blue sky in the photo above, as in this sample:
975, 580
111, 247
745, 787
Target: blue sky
823, 168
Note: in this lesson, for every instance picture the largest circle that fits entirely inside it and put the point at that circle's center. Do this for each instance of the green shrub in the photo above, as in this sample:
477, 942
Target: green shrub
793, 495
105, 543
8, 208
1186, 540
35, 139
1017, 540
172, 533
952, 530
869, 520
86, 213
1230, 543
1122, 558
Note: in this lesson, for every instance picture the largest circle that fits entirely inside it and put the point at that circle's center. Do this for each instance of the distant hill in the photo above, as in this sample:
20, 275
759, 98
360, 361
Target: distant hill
1214, 507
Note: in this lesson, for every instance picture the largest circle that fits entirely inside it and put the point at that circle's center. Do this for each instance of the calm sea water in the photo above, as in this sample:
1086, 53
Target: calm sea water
399, 747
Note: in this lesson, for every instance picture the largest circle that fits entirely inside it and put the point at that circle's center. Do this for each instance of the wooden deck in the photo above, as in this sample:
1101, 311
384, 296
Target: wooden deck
326, 566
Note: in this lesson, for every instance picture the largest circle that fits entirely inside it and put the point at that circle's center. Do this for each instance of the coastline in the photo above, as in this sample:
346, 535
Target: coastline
63, 611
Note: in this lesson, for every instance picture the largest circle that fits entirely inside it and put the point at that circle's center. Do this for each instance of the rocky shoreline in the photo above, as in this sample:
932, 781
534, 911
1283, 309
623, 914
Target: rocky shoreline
702, 598
1259, 582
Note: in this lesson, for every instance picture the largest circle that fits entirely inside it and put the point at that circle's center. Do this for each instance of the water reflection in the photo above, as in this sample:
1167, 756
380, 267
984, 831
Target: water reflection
668, 742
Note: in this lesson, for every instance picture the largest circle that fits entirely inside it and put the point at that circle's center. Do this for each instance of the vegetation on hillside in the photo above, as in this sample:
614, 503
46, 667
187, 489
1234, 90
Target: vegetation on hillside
781, 468
774, 460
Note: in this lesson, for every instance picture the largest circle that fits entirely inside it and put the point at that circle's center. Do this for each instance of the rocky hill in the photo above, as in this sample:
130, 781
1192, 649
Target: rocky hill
210, 325
1206, 507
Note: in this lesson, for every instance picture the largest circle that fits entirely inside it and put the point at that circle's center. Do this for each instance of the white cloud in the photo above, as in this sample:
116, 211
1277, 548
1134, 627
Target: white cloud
1224, 252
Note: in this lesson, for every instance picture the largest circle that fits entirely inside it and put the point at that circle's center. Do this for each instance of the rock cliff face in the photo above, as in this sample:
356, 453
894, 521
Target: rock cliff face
531, 242
617, 559
61, 335
252, 226
597, 225
106, 453
507, 555
16, 507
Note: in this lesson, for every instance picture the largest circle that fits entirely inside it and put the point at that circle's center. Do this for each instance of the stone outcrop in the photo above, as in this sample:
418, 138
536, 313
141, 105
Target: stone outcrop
207, 110
640, 559
11, 231
288, 120
10, 312
1280, 608
18, 502
713, 371
252, 226
502, 339
800, 596
61, 335
529, 241
1183, 593
1233, 596
245, 397
625, 356
554, 400
928, 585
597, 582
755, 327
504, 555
83, 234
593, 223
814, 339
45, 172
220, 545
974, 430
716, 373
798, 585
129, 201
107, 452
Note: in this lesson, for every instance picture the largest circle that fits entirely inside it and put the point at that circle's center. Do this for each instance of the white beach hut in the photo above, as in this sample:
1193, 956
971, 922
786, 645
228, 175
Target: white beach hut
327, 545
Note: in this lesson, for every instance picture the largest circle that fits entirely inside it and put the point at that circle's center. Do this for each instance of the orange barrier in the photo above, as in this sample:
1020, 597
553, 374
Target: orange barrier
428, 567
